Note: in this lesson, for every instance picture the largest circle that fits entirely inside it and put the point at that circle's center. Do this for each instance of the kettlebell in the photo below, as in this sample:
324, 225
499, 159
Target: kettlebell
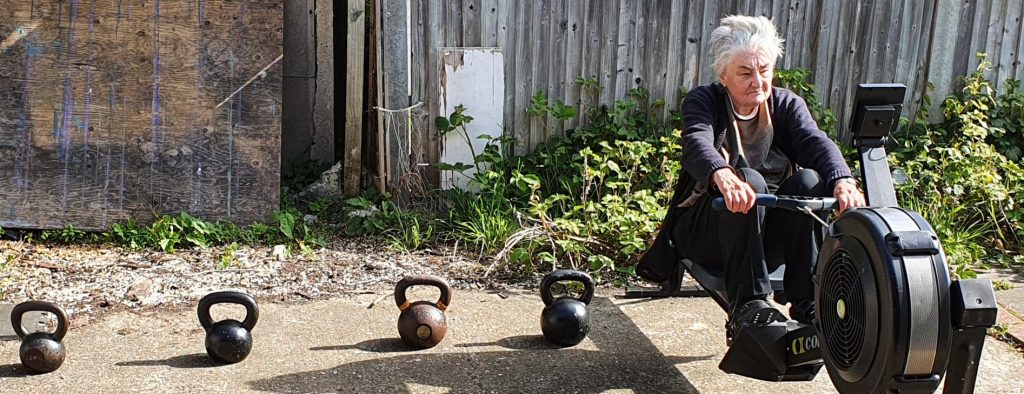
566, 321
228, 341
41, 352
422, 324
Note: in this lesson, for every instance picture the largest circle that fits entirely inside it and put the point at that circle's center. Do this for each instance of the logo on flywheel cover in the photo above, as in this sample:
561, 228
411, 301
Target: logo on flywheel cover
801, 345
841, 308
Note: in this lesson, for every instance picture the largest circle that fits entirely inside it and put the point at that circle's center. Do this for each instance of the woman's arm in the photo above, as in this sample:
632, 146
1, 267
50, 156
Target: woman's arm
700, 158
807, 145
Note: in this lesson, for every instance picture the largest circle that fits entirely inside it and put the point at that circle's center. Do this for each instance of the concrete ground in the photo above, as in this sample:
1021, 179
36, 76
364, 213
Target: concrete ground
493, 345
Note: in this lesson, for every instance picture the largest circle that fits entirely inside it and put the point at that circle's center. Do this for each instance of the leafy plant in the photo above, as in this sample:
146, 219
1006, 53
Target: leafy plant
482, 220
66, 235
410, 235
590, 197
1001, 284
959, 178
291, 225
320, 205
227, 257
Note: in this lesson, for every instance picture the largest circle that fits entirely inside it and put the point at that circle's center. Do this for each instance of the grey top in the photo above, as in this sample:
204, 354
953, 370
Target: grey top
761, 155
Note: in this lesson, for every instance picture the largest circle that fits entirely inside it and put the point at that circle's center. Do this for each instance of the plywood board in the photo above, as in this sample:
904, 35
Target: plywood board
120, 109
475, 79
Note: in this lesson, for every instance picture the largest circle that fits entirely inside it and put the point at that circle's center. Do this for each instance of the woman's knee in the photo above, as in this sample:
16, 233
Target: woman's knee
805, 182
754, 179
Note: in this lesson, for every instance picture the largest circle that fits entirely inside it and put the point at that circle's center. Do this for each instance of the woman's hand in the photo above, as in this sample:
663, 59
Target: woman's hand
848, 195
739, 196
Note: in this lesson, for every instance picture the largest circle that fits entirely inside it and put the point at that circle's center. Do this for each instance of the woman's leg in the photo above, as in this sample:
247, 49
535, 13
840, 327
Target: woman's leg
794, 238
728, 240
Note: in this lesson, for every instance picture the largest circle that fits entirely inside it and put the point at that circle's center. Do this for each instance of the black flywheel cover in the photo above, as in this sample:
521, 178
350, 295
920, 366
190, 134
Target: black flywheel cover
882, 317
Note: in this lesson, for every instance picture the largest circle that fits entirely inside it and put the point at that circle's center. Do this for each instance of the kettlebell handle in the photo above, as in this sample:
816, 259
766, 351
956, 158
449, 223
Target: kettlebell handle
42, 306
428, 280
570, 276
252, 311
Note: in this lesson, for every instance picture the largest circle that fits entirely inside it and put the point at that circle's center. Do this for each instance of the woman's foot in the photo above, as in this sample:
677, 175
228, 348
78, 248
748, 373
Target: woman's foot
802, 311
755, 312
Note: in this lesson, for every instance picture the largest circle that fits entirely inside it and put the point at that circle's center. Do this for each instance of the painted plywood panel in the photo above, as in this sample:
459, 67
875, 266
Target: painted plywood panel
475, 79
118, 109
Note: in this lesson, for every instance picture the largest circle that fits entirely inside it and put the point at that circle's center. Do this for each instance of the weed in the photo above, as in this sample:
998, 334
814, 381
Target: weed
1000, 284
227, 258
999, 331
410, 235
320, 205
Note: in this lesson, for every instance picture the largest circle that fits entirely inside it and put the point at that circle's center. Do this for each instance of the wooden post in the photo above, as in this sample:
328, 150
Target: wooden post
394, 55
354, 96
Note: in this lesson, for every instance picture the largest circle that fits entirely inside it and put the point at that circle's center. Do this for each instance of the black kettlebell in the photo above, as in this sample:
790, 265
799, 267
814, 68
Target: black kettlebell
422, 324
228, 341
565, 321
41, 352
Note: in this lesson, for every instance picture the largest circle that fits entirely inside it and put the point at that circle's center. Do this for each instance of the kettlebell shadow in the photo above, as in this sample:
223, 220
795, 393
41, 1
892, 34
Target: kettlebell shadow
197, 360
382, 345
519, 342
14, 371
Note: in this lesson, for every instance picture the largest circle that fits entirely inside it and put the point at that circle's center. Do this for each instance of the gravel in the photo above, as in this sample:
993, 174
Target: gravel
89, 281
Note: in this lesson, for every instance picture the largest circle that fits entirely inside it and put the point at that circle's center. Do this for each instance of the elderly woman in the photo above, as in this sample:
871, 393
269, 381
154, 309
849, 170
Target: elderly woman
742, 136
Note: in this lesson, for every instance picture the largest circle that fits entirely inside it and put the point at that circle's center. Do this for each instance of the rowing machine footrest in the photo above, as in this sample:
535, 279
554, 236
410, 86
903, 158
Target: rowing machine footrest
779, 351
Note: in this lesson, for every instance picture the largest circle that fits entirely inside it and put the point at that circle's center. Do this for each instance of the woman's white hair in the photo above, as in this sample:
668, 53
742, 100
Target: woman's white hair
738, 33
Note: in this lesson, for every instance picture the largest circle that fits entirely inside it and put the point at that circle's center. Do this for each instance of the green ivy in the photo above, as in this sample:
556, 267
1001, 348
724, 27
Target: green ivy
960, 174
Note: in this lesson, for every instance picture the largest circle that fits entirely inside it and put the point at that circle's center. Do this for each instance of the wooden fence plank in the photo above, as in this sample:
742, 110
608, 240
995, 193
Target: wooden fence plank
419, 91
503, 23
626, 36
541, 58
590, 57
555, 58
520, 121
489, 23
657, 58
609, 49
354, 96
1009, 36
1018, 68
453, 23
395, 64
507, 33
575, 14
674, 58
472, 29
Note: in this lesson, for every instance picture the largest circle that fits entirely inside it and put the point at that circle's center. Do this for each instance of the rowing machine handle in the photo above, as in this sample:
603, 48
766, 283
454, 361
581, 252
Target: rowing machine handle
793, 203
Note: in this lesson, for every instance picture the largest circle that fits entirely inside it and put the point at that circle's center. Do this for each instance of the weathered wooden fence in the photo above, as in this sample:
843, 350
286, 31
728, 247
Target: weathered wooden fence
114, 110
662, 46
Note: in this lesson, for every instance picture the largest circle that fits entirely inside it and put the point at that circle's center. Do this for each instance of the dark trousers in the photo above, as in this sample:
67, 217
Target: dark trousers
749, 246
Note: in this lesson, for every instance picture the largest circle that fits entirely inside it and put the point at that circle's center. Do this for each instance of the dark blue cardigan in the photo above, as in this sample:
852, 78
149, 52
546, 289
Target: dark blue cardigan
706, 119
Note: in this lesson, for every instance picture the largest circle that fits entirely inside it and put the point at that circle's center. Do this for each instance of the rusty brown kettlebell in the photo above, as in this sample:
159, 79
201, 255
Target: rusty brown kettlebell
422, 323
41, 352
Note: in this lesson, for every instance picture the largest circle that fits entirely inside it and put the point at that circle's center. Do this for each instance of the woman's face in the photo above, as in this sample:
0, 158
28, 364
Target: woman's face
748, 78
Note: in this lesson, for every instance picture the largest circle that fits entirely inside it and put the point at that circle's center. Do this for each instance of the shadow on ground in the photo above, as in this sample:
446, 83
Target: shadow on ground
197, 360
626, 359
521, 342
383, 345
13, 371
